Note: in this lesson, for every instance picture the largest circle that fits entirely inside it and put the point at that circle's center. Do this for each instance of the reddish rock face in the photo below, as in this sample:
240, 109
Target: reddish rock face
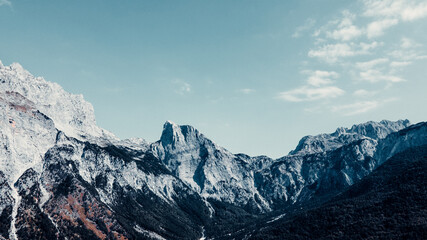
58, 203
72, 211
78, 211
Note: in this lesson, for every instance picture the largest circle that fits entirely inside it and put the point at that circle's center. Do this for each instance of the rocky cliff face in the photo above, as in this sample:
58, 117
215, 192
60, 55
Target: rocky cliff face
301, 177
342, 136
63, 177
70, 113
209, 169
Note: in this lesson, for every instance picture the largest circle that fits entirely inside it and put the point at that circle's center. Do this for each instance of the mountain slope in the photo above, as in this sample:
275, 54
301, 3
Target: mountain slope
53, 183
387, 204
62, 176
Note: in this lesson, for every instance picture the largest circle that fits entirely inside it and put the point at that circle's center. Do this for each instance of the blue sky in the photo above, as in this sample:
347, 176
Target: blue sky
254, 76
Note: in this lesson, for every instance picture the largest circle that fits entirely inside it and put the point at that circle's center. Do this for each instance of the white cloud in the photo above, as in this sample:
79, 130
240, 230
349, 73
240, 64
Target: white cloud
345, 33
407, 55
406, 10
366, 47
374, 76
309, 23
306, 93
414, 12
396, 64
376, 28
356, 108
5, 3
370, 64
318, 78
345, 30
181, 87
314, 89
383, 15
407, 43
360, 107
364, 93
332, 52
246, 90
384, 8
387, 13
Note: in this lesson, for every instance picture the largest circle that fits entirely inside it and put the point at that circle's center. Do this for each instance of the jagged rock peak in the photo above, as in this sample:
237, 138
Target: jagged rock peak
379, 130
175, 134
326, 142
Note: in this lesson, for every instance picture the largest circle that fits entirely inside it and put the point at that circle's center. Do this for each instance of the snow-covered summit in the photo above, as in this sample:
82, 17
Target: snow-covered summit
342, 136
70, 113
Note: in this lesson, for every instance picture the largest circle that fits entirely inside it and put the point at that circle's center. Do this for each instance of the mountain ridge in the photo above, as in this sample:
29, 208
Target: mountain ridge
60, 173
387, 204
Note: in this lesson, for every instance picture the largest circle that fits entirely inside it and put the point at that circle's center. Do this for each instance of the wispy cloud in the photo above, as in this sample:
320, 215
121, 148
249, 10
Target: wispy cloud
246, 90
378, 70
414, 12
407, 55
407, 51
406, 43
5, 3
377, 28
374, 76
381, 15
309, 23
315, 88
344, 28
318, 78
397, 64
405, 10
364, 93
371, 64
181, 87
307, 93
349, 44
345, 33
331, 53
359, 107
356, 108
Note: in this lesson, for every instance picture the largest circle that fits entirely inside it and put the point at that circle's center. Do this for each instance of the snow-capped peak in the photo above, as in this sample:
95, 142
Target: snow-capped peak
70, 113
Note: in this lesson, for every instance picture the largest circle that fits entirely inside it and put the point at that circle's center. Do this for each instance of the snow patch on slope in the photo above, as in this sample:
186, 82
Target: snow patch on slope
149, 234
12, 231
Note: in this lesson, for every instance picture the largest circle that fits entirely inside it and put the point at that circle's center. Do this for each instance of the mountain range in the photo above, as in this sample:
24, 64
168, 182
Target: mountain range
63, 177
